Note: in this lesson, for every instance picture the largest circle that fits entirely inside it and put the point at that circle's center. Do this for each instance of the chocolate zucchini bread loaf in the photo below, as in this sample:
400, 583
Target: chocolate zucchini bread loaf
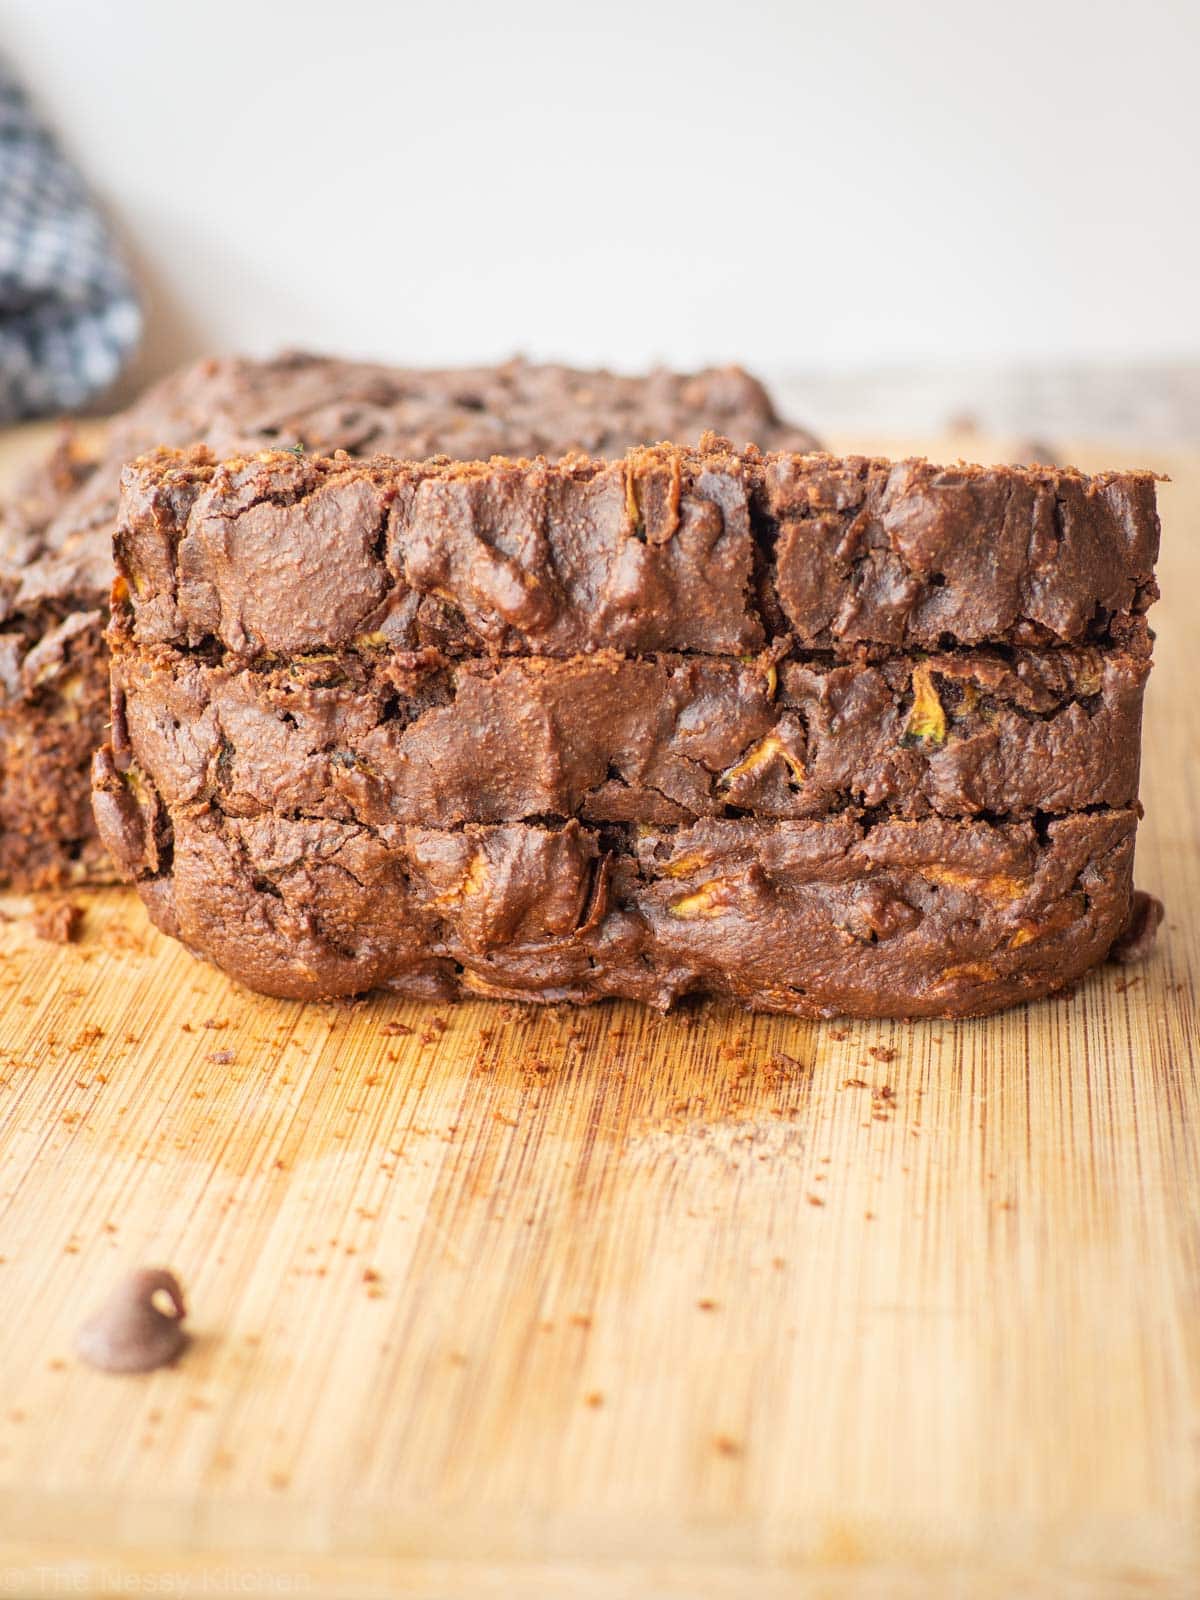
818, 735
56, 531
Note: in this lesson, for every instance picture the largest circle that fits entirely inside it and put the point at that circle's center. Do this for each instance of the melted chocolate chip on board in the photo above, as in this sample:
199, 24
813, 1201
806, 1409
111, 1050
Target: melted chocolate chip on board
140, 1326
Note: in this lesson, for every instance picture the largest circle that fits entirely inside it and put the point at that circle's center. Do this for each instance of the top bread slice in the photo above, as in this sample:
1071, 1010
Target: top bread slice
706, 550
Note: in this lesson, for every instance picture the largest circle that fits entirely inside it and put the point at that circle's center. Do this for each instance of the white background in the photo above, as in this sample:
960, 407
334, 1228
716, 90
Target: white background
810, 186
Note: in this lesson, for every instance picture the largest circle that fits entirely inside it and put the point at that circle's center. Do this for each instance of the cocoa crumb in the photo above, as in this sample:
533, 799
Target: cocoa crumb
782, 1062
216, 1023
139, 1328
881, 1052
221, 1058
1136, 939
395, 1030
57, 921
855, 1083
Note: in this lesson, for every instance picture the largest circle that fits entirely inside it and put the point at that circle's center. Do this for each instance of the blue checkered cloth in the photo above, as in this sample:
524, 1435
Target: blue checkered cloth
69, 314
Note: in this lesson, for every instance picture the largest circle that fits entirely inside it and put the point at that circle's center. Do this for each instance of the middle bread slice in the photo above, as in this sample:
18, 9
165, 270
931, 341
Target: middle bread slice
366, 734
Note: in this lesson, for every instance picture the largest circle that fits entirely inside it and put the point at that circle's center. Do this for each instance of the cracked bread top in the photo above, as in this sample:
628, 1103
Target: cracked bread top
698, 550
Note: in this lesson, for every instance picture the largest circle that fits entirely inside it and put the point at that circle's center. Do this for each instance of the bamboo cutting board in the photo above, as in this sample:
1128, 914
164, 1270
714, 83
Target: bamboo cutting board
501, 1301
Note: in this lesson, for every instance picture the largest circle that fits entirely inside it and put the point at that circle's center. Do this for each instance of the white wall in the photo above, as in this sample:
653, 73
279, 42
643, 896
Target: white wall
813, 185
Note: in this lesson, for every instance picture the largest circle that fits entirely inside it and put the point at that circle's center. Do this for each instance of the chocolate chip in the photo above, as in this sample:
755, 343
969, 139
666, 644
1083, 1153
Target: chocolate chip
1136, 939
139, 1328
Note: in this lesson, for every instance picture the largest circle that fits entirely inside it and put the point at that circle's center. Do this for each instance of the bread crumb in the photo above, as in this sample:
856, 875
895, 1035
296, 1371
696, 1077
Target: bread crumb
57, 921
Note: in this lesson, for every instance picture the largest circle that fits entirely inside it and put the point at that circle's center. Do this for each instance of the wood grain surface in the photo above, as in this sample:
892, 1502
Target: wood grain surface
505, 1301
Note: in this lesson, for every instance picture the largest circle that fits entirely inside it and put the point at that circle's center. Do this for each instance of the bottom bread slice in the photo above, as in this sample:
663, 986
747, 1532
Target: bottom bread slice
817, 918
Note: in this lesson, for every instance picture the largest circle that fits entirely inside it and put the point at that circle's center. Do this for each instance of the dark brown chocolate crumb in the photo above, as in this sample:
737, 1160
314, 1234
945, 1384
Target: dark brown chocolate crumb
1136, 939
57, 921
135, 1331
881, 1052
221, 1058
394, 1030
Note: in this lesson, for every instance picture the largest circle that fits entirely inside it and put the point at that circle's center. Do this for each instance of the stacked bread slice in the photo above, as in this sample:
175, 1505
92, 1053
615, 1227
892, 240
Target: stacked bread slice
819, 735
